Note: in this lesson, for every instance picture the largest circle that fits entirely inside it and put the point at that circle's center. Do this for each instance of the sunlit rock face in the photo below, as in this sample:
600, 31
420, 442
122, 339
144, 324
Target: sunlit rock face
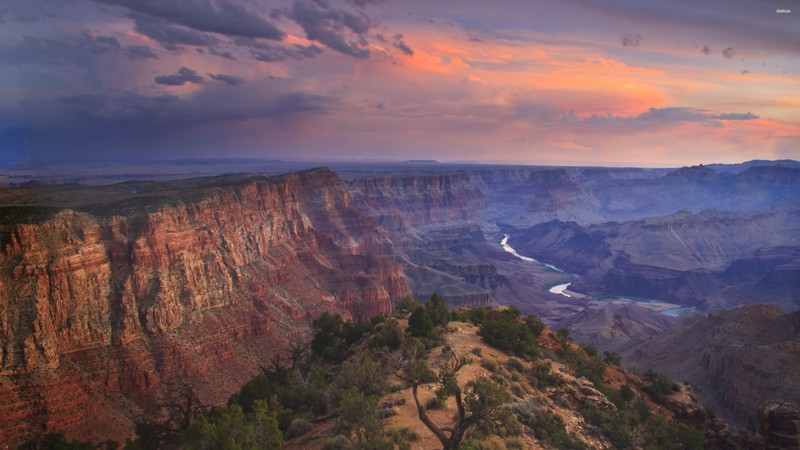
101, 310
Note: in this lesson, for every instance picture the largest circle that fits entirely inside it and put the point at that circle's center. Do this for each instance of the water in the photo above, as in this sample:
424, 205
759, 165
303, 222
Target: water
511, 250
560, 288
677, 311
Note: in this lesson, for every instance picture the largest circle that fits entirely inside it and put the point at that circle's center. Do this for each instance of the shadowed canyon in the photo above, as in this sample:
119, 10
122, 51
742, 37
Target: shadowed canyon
113, 296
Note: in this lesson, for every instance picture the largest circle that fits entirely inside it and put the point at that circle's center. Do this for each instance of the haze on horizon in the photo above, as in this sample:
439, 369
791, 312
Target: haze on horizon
584, 82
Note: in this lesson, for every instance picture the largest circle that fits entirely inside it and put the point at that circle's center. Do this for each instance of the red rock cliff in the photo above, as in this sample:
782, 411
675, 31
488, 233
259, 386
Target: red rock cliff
101, 313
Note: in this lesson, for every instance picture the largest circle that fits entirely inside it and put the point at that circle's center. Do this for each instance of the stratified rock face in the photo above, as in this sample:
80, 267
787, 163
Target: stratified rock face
779, 424
735, 359
201, 289
418, 199
616, 327
710, 259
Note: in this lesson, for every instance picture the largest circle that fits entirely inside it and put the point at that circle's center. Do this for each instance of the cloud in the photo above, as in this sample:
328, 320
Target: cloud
729, 53
738, 116
122, 124
663, 116
217, 16
683, 114
100, 44
139, 52
170, 36
630, 40
706, 50
273, 53
332, 27
364, 3
231, 80
400, 44
184, 75
404, 48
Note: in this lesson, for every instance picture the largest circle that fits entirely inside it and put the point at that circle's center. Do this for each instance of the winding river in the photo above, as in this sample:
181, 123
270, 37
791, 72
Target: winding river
511, 250
677, 311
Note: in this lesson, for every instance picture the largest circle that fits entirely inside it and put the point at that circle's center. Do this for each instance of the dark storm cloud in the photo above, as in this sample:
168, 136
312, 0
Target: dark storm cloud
184, 75
682, 114
231, 80
116, 106
729, 53
271, 53
630, 40
332, 27
81, 49
404, 48
116, 124
400, 44
664, 116
170, 36
218, 16
738, 116
364, 3
101, 44
139, 52
138, 111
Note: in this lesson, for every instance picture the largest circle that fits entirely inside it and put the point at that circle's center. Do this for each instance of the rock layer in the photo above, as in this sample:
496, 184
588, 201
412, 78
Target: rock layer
100, 311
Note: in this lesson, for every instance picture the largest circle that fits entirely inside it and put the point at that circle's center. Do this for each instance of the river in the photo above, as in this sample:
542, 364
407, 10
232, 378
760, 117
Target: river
511, 250
560, 289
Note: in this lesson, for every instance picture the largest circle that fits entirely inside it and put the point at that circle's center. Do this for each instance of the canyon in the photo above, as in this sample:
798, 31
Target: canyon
104, 312
114, 294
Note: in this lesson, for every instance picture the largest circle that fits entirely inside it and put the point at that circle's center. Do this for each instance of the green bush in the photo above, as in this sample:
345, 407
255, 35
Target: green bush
420, 323
388, 335
541, 377
535, 325
659, 387
298, 427
515, 364
437, 309
509, 335
612, 358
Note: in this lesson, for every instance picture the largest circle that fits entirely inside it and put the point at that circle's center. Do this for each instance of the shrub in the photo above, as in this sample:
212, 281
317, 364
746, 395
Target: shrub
515, 364
420, 323
388, 335
508, 335
626, 392
612, 358
659, 387
298, 427
541, 377
405, 306
535, 325
489, 364
545, 425
437, 309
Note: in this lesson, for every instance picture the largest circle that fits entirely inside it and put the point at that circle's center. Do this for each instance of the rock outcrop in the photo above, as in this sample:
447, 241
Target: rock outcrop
104, 305
779, 425
734, 359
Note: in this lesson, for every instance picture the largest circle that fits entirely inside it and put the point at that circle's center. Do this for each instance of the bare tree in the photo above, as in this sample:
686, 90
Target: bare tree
479, 400
179, 407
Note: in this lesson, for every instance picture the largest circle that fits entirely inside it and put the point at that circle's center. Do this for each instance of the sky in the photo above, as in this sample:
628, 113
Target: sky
560, 82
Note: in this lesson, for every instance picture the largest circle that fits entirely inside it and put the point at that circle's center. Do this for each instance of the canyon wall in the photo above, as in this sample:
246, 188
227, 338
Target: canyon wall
433, 220
105, 307
737, 360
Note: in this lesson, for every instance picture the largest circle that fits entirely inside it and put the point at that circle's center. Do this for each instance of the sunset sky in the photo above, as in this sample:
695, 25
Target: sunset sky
618, 82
